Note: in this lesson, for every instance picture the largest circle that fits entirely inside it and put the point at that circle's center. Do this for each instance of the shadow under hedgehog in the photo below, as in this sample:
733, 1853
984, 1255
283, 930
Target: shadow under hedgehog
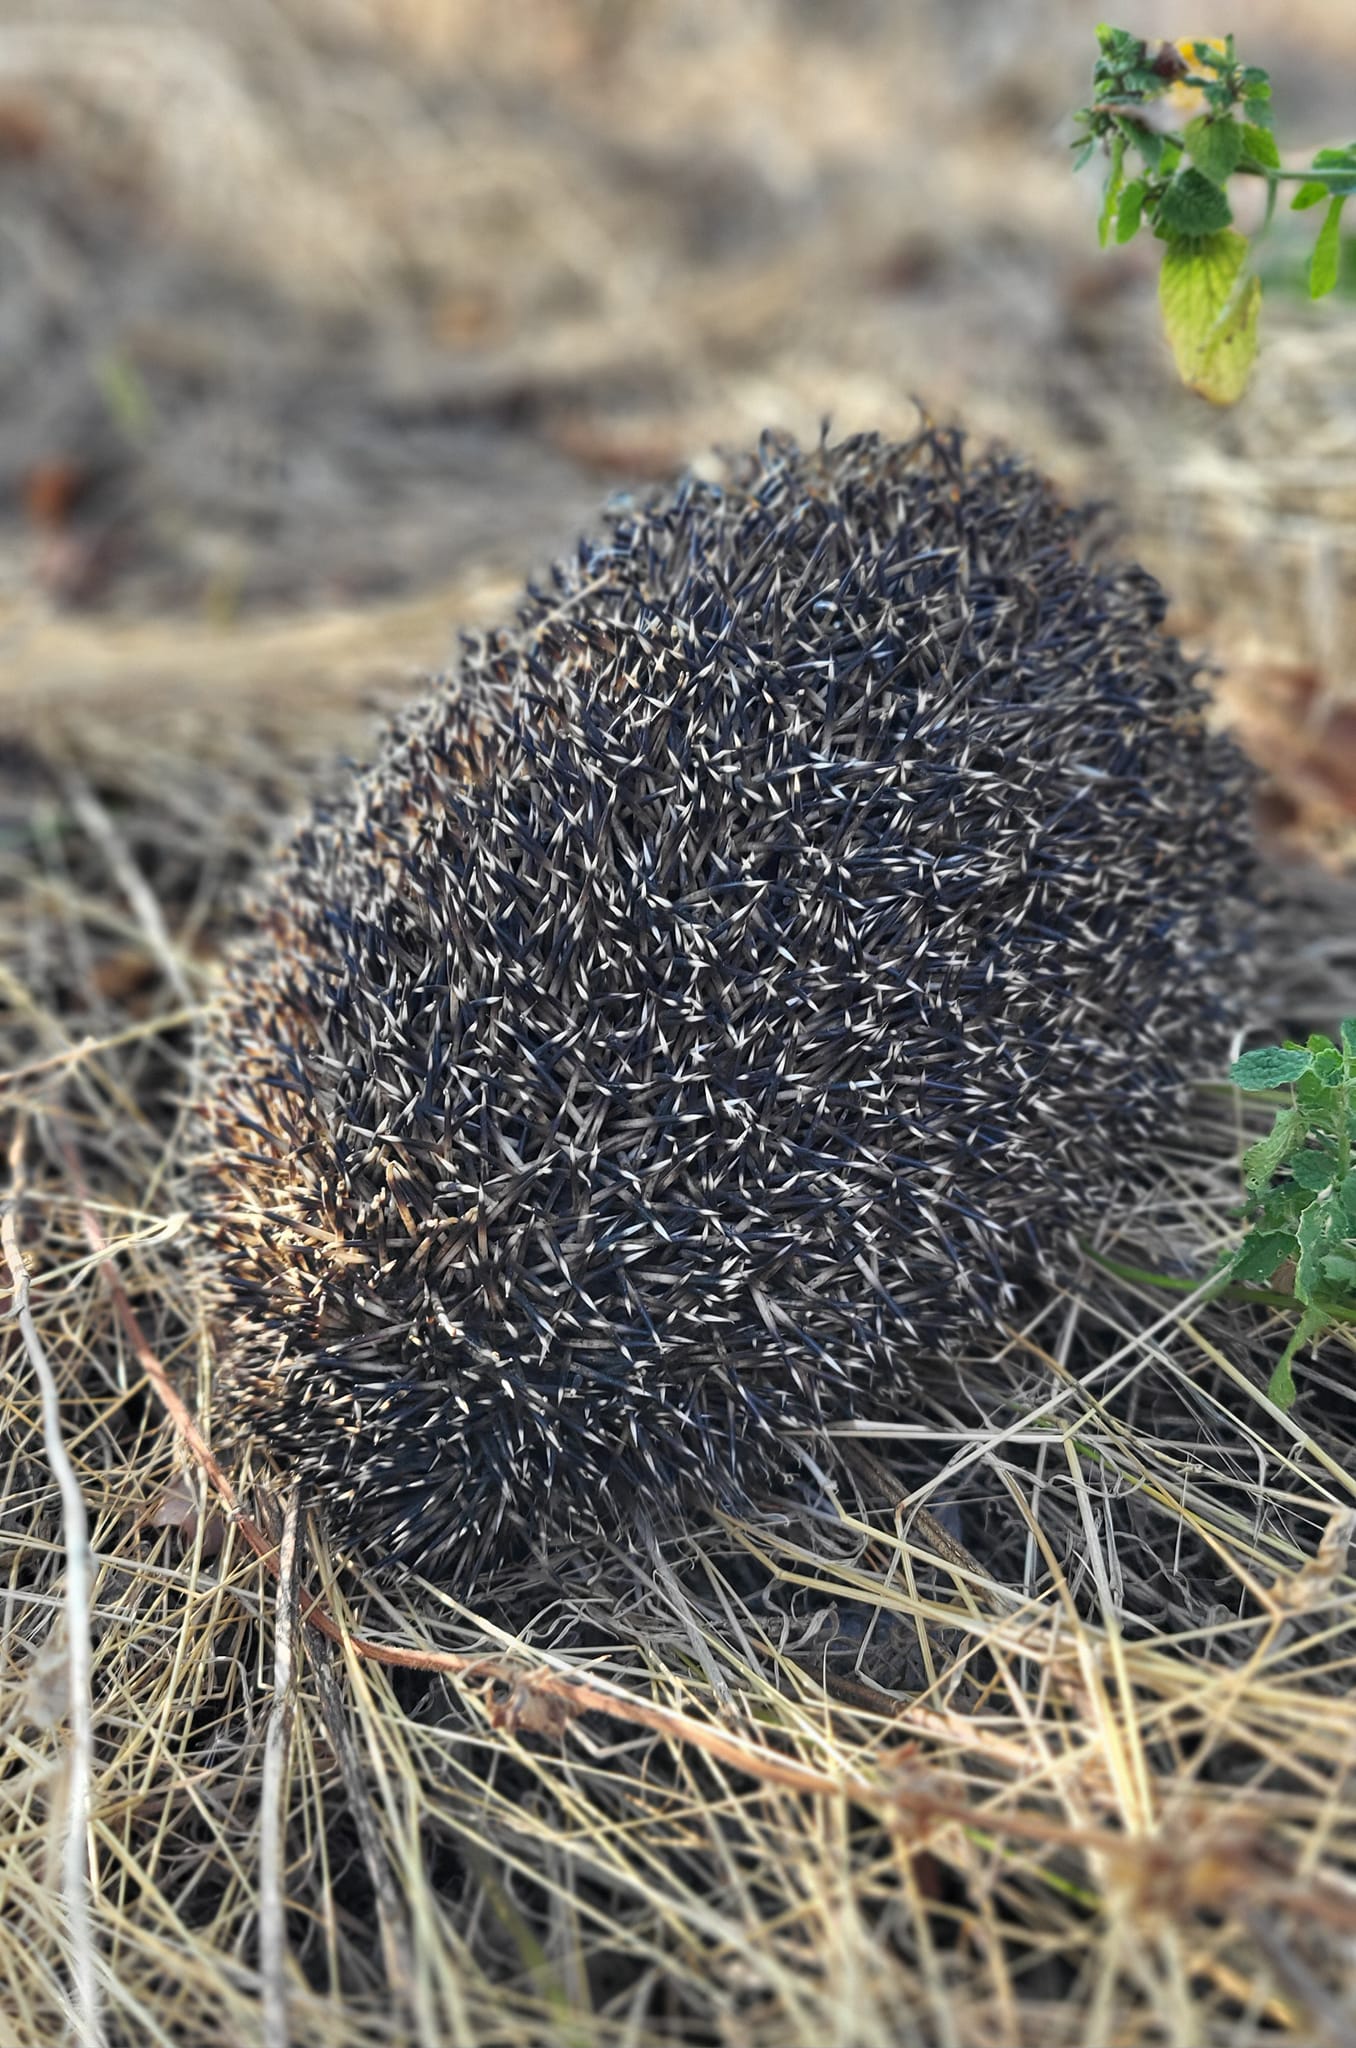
712, 1003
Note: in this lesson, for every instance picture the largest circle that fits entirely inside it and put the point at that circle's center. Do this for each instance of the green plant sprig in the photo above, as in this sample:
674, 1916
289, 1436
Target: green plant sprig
1210, 298
1301, 1189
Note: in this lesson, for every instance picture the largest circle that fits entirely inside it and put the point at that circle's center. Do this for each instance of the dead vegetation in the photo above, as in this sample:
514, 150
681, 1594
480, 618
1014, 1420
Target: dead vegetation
1046, 1735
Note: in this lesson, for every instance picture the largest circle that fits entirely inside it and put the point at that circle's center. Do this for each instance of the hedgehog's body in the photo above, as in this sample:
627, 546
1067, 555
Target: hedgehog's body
839, 879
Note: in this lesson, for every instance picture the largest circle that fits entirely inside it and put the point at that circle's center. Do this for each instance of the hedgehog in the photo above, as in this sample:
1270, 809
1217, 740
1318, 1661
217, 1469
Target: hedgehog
716, 1005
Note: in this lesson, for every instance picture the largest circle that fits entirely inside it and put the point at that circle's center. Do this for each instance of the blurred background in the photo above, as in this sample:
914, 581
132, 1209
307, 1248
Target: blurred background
322, 322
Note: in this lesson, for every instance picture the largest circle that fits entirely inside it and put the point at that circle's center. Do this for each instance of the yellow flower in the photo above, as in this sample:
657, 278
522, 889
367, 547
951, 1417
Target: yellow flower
1171, 110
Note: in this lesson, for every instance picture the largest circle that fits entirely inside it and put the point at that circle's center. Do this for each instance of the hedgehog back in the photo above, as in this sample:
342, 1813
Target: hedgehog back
714, 1004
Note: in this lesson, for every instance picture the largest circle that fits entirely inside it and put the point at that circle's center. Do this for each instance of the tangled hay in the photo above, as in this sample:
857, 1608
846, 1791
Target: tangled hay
1042, 1735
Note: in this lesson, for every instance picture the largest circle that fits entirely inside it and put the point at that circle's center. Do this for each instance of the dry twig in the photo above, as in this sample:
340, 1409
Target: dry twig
76, 1873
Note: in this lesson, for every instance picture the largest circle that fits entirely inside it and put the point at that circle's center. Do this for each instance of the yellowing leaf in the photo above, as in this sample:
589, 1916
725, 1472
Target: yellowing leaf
1210, 313
1326, 262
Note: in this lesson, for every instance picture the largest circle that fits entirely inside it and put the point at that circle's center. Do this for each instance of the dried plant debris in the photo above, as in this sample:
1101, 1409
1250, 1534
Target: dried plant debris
721, 997
1071, 1758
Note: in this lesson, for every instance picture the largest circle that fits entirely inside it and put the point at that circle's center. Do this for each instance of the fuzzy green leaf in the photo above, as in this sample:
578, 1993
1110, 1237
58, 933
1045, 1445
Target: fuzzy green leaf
1114, 182
1280, 1208
1215, 148
1119, 45
1340, 1267
1281, 1388
1192, 205
1313, 1098
1315, 1233
1349, 1037
1312, 194
1271, 1066
1128, 214
1326, 260
1259, 146
1314, 1170
1261, 1161
1261, 1255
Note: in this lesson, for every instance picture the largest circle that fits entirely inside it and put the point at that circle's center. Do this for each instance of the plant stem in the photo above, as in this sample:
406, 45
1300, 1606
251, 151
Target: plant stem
1226, 1289
1289, 177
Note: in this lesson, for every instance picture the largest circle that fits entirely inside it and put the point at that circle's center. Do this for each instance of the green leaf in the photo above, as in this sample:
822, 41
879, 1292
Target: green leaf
1329, 1065
1212, 60
1315, 1236
1273, 187
1141, 82
1349, 1037
1315, 1170
1313, 1097
1256, 83
1339, 169
1281, 1388
1261, 1160
1210, 315
1119, 45
1261, 1255
1192, 205
1131, 207
1346, 1195
1326, 260
1259, 147
1114, 181
1281, 1207
1215, 148
1271, 1066
1312, 194
1340, 1267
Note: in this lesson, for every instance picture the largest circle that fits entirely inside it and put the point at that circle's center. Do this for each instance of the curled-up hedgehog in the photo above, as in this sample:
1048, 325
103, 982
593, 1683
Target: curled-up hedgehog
714, 1002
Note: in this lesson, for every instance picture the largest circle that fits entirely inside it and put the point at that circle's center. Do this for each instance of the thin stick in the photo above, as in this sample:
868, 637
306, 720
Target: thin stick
140, 898
395, 1946
272, 1892
87, 2028
84, 1048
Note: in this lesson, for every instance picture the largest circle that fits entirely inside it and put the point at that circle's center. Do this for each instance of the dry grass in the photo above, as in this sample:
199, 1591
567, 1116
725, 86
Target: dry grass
649, 230
1045, 1734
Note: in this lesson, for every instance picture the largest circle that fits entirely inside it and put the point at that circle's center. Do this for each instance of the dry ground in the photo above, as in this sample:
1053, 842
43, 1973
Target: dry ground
319, 323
